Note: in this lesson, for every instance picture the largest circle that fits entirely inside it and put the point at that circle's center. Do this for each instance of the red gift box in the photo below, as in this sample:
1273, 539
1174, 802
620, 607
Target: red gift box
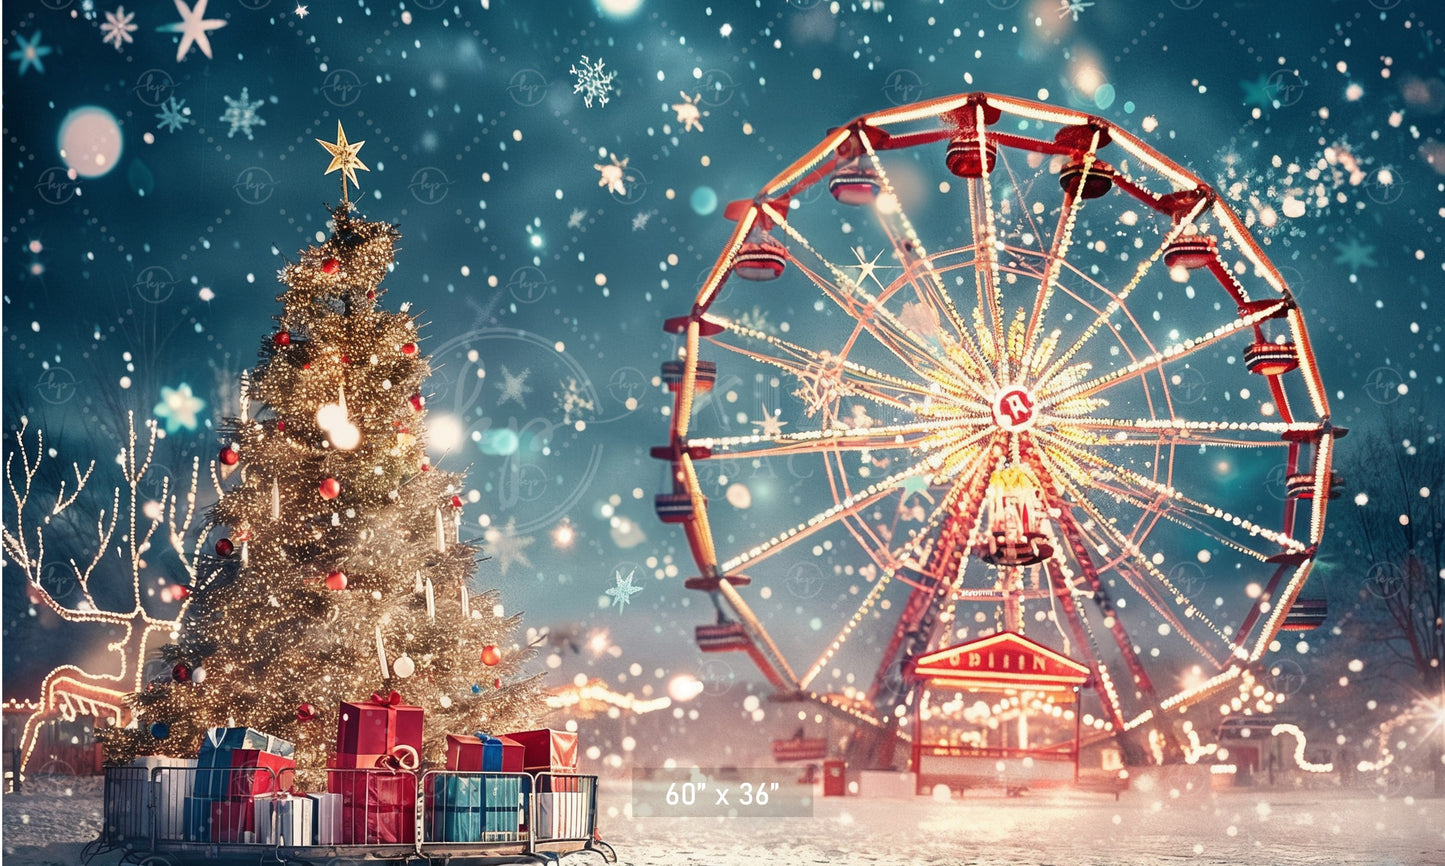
377, 807
466, 754
547, 750
256, 772
378, 725
233, 820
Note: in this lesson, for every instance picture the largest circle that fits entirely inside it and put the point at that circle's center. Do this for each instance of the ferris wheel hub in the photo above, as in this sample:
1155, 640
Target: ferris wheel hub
1014, 408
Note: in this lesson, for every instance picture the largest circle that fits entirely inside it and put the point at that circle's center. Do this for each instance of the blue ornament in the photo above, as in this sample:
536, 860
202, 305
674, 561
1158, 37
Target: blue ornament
160, 730
476, 688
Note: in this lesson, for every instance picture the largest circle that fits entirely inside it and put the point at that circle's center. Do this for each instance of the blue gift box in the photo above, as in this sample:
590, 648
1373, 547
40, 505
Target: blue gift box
213, 765
474, 808
198, 818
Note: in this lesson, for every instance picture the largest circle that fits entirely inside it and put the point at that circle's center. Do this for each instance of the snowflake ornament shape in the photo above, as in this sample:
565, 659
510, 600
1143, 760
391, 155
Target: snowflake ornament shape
193, 28
1072, 7
179, 407
173, 115
118, 27
640, 220
593, 82
612, 175
688, 114
515, 386
623, 591
30, 52
241, 114
573, 402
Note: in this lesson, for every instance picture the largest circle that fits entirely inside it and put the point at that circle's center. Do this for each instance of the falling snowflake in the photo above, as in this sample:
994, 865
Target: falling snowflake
574, 220
178, 408
507, 547
1356, 253
241, 114
612, 175
514, 386
639, 220
118, 27
1072, 7
173, 115
301, 11
592, 82
30, 53
623, 591
688, 113
573, 402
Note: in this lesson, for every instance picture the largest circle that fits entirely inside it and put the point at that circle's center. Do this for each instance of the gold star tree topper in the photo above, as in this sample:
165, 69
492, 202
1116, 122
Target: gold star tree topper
343, 157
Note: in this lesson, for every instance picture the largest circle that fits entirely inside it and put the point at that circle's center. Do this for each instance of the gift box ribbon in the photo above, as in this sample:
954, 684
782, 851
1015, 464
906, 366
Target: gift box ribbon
391, 700
402, 757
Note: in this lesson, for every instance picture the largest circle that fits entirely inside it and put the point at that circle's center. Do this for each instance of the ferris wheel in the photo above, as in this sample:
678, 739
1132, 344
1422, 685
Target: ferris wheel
981, 364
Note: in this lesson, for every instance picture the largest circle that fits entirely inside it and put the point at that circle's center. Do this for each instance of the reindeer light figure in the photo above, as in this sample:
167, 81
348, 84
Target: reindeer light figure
69, 691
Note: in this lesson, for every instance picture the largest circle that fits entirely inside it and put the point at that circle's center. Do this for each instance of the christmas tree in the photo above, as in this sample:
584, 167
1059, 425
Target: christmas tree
341, 571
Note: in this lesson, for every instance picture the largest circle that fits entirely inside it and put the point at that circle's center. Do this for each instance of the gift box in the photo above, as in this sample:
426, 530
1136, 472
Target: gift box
474, 808
285, 819
196, 812
233, 820
377, 726
213, 776
256, 772
547, 750
377, 807
562, 815
327, 818
480, 752
173, 779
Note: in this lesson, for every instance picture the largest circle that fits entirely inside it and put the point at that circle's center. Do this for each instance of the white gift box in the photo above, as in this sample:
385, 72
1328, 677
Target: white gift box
284, 819
561, 815
171, 787
328, 818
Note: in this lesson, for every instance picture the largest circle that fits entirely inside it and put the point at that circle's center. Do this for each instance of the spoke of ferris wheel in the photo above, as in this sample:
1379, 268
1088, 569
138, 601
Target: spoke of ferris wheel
1184, 431
1174, 497
1120, 542
1063, 238
844, 291
904, 437
914, 251
808, 361
1116, 302
986, 272
1155, 360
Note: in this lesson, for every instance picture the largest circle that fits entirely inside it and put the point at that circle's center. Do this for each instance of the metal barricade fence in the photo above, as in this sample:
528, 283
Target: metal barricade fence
562, 808
474, 808
376, 806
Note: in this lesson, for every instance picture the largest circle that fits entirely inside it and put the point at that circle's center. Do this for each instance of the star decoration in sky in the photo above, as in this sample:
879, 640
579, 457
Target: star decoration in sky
301, 11
1356, 253
612, 175
178, 408
868, 269
30, 52
623, 592
770, 426
514, 386
343, 158
193, 28
1259, 92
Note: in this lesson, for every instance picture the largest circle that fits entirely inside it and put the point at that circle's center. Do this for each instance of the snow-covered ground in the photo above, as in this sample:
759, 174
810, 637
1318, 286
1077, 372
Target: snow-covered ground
1150, 824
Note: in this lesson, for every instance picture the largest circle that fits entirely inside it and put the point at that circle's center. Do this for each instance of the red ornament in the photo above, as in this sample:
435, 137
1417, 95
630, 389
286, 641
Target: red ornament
230, 456
330, 266
329, 488
491, 655
417, 402
225, 547
280, 424
180, 591
282, 338
426, 467
181, 673
241, 535
305, 713
336, 581
345, 358
497, 683
371, 294
456, 502
306, 366
408, 348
